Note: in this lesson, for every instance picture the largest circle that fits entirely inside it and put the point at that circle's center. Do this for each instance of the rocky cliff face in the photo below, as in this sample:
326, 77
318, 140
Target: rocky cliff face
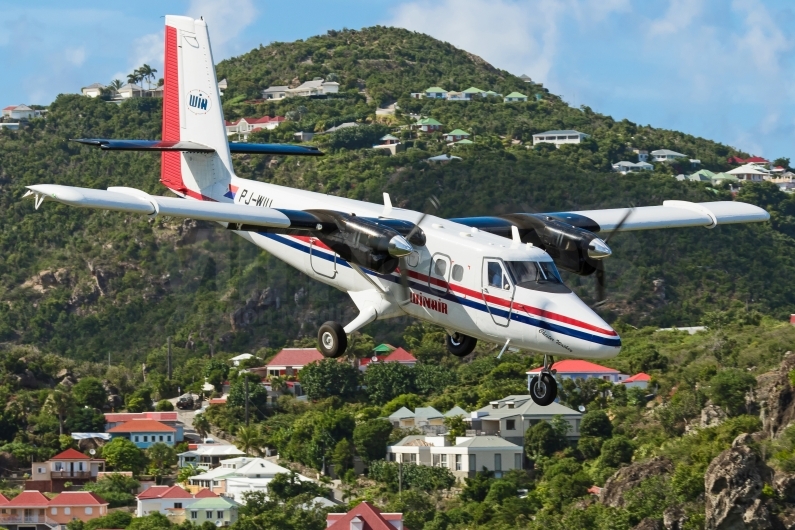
776, 398
630, 477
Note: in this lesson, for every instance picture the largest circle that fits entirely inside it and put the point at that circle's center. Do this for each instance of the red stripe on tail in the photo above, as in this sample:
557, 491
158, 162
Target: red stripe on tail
171, 162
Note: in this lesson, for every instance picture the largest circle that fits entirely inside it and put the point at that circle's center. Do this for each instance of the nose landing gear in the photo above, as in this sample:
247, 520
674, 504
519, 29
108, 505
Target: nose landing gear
544, 387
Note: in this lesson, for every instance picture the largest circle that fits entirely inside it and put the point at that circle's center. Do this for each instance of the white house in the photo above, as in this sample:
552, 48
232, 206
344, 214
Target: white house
631, 167
427, 419
511, 416
275, 92
129, 91
208, 456
94, 90
161, 499
235, 476
469, 455
245, 126
435, 92
750, 172
643, 155
20, 112
290, 360
559, 137
639, 380
514, 96
316, 87
666, 155
237, 359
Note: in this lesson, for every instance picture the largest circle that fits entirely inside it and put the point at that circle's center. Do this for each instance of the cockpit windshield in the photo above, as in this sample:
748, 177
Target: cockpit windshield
537, 275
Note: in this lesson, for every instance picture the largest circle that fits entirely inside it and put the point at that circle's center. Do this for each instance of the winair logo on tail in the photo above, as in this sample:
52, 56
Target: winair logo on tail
199, 102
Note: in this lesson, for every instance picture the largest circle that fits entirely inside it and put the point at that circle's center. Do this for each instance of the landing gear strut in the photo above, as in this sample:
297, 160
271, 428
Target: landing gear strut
460, 345
332, 340
543, 387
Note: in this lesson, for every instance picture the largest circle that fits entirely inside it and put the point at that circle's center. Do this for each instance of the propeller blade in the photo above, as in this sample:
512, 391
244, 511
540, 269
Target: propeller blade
620, 223
601, 296
434, 205
403, 263
404, 282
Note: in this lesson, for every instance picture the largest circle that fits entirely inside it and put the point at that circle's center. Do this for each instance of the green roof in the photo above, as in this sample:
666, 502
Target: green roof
515, 95
473, 90
464, 142
705, 172
427, 121
458, 132
435, 89
213, 503
383, 348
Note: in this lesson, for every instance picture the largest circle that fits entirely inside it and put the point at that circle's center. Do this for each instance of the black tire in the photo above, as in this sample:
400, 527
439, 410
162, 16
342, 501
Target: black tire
543, 389
332, 340
460, 345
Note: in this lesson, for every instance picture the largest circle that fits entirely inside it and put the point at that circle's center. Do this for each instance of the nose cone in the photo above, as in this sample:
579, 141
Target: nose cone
598, 249
399, 247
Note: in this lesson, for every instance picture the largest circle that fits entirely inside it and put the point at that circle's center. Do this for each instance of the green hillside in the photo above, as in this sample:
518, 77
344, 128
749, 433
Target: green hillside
86, 284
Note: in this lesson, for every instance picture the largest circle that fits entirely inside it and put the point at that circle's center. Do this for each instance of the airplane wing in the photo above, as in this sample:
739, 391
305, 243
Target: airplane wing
672, 214
193, 147
131, 200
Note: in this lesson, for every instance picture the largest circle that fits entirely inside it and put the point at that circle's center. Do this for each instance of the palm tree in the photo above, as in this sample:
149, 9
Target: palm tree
59, 403
115, 85
279, 384
201, 424
248, 438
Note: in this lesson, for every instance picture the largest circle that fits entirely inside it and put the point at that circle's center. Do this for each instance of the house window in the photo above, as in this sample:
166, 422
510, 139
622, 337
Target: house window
194, 514
472, 462
168, 437
413, 458
443, 461
209, 514
161, 438
53, 511
517, 461
137, 439
177, 505
89, 510
67, 510
219, 514
41, 470
510, 425
436, 459
458, 459
498, 462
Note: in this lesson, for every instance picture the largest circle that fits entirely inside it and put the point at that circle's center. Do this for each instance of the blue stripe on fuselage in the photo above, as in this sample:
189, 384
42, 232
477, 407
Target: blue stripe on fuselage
452, 297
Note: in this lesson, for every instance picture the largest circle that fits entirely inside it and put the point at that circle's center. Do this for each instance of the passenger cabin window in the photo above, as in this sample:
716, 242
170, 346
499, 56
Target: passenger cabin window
537, 275
440, 273
458, 273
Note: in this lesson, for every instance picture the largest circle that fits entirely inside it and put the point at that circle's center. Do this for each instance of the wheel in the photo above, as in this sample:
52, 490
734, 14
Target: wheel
543, 389
460, 345
332, 340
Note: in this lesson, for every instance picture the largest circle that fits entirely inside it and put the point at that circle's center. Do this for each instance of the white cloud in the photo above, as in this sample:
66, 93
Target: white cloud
75, 56
678, 17
226, 20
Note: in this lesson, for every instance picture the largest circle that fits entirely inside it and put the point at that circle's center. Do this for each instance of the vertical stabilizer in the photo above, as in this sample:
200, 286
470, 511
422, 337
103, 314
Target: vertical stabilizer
192, 112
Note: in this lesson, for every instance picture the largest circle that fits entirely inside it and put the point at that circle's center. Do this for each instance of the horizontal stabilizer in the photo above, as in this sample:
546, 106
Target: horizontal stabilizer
193, 147
132, 200
145, 145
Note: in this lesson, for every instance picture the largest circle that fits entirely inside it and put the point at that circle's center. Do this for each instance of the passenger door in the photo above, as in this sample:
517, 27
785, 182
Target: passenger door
498, 291
322, 260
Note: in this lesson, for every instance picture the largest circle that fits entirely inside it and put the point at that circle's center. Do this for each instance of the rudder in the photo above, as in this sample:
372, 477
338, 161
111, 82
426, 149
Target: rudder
192, 112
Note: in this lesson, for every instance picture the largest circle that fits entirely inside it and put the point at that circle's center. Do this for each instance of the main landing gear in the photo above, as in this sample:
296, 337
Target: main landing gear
460, 345
332, 340
543, 387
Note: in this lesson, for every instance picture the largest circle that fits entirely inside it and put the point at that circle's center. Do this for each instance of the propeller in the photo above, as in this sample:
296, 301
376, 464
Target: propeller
432, 204
601, 287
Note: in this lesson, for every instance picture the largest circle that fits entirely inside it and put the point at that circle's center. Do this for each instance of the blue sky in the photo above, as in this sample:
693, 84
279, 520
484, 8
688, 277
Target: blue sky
722, 69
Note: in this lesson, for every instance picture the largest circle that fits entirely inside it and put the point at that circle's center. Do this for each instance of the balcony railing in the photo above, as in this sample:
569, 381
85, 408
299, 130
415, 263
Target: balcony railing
8, 518
70, 474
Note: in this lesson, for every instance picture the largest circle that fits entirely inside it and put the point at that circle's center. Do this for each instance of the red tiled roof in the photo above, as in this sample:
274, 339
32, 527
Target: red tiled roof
29, 499
573, 366
70, 454
400, 355
3, 500
10, 107
296, 357
78, 498
637, 377
116, 417
165, 492
205, 493
217, 401
371, 516
142, 426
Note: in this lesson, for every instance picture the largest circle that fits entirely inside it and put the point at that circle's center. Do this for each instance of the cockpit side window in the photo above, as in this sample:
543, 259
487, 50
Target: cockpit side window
496, 276
537, 275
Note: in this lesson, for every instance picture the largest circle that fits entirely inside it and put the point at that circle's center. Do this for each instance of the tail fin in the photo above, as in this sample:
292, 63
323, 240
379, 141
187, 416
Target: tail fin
192, 112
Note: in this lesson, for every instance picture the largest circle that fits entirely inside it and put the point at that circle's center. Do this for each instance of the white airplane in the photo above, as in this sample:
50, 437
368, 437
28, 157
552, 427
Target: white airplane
485, 278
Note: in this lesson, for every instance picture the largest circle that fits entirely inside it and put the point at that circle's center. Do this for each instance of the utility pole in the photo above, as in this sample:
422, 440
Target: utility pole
400, 476
169, 359
246, 382
108, 359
